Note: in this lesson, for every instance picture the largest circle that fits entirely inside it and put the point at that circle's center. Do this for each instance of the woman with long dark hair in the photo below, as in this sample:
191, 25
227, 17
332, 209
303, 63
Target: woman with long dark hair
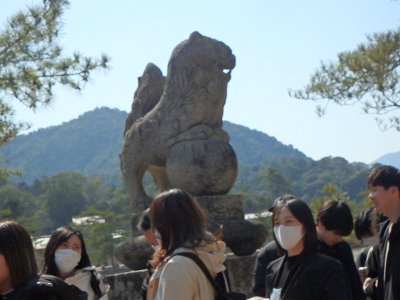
301, 273
66, 257
179, 225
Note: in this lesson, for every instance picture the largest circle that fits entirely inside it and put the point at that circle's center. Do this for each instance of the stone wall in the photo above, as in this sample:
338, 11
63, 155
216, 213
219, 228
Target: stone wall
126, 285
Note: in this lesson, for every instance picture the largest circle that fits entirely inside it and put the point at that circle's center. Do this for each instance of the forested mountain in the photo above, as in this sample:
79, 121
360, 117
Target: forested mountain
91, 143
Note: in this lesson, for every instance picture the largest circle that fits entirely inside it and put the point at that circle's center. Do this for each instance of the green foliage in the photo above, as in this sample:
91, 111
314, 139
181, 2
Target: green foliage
262, 147
275, 182
90, 145
64, 196
32, 62
368, 75
15, 203
101, 237
46, 204
332, 191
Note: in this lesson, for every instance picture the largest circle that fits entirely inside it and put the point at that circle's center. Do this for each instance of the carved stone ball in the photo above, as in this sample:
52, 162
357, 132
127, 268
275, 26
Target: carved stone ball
202, 167
134, 253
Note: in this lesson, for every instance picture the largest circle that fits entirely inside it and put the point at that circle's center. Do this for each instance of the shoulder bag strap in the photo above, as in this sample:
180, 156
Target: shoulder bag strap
201, 265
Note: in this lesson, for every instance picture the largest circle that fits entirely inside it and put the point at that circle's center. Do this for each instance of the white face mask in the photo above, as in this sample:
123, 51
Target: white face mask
371, 241
66, 260
288, 236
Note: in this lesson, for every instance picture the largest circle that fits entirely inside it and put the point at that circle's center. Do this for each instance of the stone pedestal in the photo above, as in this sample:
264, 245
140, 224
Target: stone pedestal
134, 253
243, 237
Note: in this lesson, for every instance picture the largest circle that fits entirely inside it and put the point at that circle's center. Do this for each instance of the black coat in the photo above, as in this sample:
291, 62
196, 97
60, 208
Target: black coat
319, 277
267, 254
343, 253
389, 283
45, 287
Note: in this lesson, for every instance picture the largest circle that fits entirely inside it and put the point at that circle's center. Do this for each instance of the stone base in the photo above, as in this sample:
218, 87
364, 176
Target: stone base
242, 236
222, 207
134, 252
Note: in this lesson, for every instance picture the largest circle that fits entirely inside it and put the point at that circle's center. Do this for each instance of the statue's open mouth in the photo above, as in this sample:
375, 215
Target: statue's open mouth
226, 73
227, 67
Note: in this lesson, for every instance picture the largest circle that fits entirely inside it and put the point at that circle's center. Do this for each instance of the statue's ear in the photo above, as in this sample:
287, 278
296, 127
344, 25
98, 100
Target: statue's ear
195, 35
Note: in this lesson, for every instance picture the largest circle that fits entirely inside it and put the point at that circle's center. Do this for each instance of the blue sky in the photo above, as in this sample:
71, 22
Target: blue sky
278, 44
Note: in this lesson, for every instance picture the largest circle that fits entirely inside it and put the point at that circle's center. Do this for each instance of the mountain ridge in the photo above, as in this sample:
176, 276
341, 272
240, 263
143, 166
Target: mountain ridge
80, 145
91, 143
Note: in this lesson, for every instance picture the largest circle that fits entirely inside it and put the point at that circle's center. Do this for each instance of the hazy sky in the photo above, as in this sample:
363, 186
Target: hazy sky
278, 44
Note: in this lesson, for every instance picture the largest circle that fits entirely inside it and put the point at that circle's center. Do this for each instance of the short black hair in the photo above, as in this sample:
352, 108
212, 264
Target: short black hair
362, 223
385, 176
336, 216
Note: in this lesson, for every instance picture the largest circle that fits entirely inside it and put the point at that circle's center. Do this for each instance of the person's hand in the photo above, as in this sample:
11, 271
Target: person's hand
363, 272
46, 284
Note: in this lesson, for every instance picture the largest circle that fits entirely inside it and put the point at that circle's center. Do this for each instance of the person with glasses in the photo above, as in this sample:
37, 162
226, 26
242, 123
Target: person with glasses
383, 184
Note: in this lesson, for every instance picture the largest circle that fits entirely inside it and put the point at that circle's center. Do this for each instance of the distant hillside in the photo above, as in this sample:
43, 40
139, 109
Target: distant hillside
254, 147
392, 159
91, 143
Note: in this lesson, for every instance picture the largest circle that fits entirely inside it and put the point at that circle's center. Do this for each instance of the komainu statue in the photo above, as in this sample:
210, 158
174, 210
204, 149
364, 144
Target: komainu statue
174, 130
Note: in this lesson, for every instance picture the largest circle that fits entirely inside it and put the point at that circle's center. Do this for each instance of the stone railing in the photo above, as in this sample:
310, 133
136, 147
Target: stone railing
126, 285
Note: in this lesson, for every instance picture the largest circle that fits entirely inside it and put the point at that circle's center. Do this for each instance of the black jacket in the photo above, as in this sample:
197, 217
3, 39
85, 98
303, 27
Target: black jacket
318, 277
343, 253
389, 281
267, 254
45, 287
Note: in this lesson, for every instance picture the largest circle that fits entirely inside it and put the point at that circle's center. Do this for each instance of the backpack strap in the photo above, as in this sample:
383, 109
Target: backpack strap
202, 266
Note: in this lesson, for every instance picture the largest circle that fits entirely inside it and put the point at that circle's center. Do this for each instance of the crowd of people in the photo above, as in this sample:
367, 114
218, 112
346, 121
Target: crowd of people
308, 257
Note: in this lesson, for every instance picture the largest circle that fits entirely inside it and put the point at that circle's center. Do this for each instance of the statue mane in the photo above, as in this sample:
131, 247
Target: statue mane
195, 80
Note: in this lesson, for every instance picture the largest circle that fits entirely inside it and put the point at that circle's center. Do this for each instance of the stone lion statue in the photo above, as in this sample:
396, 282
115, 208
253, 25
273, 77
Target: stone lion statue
174, 130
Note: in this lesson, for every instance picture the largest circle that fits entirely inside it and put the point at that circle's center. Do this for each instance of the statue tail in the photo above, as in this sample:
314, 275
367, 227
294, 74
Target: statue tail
147, 95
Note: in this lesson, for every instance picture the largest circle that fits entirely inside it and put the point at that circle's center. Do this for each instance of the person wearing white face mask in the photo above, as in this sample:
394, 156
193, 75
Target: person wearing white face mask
267, 253
301, 273
67, 258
